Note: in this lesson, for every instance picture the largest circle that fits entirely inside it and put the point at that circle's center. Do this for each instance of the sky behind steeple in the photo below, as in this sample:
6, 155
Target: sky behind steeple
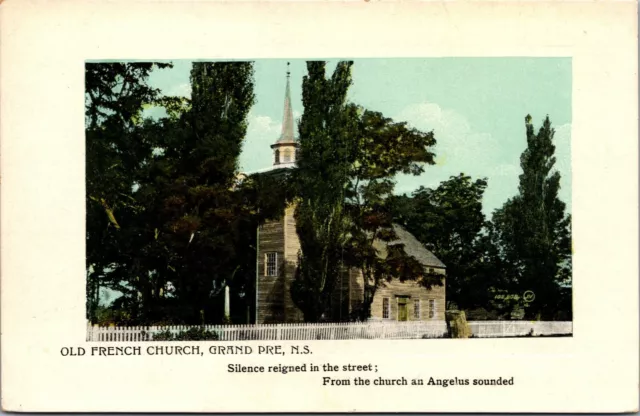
475, 106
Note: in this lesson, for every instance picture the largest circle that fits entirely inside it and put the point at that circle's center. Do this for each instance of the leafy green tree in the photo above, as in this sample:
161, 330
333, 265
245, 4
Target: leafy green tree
534, 230
322, 173
163, 210
489, 287
381, 148
449, 221
347, 162
116, 151
200, 213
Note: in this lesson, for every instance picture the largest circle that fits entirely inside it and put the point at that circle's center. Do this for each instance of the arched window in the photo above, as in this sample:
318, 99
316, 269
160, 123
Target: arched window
287, 156
277, 156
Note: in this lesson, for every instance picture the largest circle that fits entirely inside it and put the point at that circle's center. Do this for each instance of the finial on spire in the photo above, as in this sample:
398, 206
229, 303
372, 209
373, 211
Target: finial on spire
287, 135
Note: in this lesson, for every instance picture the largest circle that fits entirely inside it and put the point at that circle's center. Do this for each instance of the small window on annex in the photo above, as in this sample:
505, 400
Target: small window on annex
416, 309
271, 264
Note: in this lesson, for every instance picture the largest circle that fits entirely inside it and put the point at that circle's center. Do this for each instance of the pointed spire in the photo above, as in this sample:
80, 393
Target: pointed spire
287, 135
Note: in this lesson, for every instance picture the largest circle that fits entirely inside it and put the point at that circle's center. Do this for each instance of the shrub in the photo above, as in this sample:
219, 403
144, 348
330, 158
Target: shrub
193, 334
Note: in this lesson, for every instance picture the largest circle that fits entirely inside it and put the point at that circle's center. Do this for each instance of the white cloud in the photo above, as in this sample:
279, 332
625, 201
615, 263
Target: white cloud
180, 90
457, 144
261, 125
262, 132
506, 169
459, 149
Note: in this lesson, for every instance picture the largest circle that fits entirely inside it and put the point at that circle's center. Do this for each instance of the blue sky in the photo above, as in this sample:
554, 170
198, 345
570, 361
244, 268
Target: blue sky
475, 106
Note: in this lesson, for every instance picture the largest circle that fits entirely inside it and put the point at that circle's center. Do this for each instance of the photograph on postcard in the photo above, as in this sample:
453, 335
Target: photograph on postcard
337, 199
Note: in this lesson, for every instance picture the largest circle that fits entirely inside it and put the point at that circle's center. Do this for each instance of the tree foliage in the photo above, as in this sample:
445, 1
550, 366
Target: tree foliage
164, 215
381, 148
449, 221
117, 149
525, 247
199, 211
533, 229
347, 162
322, 173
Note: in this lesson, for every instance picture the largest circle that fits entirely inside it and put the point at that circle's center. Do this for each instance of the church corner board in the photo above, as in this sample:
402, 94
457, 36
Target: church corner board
373, 204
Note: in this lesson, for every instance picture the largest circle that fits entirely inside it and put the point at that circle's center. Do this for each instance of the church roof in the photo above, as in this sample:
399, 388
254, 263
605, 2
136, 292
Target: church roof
287, 135
412, 247
278, 170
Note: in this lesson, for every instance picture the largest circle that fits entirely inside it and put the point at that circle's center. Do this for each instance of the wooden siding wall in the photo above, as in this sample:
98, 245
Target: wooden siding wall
275, 304
270, 307
395, 289
291, 249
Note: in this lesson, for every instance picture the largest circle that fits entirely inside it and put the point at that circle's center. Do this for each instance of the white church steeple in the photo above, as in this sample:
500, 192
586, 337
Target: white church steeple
285, 149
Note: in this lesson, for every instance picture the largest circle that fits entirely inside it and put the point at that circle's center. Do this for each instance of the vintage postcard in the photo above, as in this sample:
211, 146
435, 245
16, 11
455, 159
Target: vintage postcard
428, 218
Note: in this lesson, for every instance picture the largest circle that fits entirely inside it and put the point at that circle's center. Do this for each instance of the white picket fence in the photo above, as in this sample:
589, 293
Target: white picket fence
495, 329
336, 331
294, 331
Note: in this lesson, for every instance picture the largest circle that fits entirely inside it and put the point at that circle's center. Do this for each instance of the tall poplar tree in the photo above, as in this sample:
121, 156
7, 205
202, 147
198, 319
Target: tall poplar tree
322, 174
347, 162
534, 229
200, 211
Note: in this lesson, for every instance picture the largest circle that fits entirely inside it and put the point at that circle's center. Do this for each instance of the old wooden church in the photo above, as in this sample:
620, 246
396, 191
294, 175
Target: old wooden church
277, 253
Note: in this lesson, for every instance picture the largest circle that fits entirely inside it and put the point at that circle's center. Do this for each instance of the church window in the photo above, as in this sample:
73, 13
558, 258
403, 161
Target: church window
277, 156
286, 156
416, 309
271, 264
386, 308
432, 308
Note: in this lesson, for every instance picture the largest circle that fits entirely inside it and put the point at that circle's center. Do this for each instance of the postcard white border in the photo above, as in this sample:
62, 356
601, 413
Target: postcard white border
44, 45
